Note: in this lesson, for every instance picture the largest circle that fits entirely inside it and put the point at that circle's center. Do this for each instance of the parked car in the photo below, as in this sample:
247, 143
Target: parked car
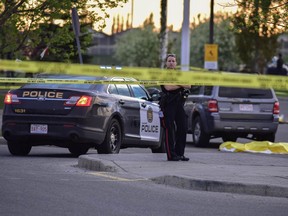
231, 113
107, 117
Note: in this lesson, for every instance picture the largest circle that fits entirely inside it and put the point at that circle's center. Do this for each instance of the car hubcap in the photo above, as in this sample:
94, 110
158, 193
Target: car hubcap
197, 132
113, 138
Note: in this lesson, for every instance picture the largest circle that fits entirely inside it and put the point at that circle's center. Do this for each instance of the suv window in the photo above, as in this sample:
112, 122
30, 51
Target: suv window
195, 90
208, 90
234, 92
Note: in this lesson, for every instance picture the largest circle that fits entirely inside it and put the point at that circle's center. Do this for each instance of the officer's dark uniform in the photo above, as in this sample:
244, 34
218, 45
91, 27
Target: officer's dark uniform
174, 123
279, 66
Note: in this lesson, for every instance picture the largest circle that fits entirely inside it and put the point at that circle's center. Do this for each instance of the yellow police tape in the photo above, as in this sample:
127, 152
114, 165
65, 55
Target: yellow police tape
147, 76
255, 147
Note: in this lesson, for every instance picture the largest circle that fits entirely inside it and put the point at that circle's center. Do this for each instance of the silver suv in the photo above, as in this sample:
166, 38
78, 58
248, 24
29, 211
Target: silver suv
231, 113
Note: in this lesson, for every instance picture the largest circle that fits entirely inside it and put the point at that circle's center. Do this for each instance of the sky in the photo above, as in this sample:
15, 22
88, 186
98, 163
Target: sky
143, 8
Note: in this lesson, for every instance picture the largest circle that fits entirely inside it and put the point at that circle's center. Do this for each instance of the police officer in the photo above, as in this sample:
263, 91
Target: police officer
174, 118
279, 65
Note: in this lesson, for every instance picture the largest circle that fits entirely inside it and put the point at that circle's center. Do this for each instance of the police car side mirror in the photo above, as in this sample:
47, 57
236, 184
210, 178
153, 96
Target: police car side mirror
144, 98
155, 97
154, 93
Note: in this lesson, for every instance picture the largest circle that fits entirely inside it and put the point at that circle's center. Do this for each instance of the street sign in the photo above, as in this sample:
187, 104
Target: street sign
211, 57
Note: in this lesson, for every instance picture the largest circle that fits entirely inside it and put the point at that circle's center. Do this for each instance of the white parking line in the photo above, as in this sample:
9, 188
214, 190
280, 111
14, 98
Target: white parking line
115, 178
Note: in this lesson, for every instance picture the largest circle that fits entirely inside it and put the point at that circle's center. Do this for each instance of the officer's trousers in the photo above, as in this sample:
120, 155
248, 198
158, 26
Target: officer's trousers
175, 127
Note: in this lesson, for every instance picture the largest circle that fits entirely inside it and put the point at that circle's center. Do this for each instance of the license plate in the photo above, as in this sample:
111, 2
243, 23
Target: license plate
246, 107
39, 128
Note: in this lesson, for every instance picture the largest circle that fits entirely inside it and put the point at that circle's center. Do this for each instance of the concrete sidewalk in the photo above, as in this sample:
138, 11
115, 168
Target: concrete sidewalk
242, 173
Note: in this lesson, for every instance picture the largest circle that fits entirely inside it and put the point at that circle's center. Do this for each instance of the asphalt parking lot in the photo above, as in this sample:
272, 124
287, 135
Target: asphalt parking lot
241, 173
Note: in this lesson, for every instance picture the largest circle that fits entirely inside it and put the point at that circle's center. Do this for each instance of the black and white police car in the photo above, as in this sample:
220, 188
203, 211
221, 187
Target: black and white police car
107, 117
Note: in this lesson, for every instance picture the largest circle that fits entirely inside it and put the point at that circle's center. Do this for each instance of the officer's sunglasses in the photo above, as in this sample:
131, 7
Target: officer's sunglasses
171, 55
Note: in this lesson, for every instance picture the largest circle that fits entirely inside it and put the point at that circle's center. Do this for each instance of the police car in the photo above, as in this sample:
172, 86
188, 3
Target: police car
76, 116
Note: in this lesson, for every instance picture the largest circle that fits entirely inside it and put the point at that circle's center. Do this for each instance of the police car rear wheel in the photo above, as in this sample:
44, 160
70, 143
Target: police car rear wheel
112, 142
19, 148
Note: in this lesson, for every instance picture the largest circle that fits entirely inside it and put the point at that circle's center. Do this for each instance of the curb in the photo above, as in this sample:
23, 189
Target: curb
191, 184
223, 187
96, 165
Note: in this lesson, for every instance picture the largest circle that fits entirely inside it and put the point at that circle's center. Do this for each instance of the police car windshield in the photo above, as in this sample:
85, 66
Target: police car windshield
65, 86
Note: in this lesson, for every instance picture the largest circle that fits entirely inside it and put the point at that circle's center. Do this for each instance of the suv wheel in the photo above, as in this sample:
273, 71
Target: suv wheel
200, 137
230, 138
266, 137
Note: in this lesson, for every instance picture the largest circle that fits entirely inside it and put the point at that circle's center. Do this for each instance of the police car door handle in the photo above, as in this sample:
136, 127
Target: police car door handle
143, 105
121, 101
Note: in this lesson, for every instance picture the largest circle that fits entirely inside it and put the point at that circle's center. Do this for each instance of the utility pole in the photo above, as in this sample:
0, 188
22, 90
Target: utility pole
211, 35
185, 43
211, 49
132, 13
163, 33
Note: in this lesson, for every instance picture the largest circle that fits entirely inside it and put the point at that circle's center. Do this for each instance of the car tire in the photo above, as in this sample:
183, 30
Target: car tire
230, 138
113, 139
266, 137
18, 148
161, 148
200, 137
78, 149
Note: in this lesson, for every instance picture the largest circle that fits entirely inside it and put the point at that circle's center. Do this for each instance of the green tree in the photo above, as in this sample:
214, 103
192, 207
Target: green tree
139, 47
257, 24
228, 59
163, 32
27, 27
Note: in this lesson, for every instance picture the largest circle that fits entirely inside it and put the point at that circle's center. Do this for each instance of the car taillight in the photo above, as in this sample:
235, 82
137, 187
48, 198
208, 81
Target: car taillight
83, 101
276, 108
11, 99
212, 106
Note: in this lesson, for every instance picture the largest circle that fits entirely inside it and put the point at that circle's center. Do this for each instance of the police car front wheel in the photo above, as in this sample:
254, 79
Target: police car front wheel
161, 148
